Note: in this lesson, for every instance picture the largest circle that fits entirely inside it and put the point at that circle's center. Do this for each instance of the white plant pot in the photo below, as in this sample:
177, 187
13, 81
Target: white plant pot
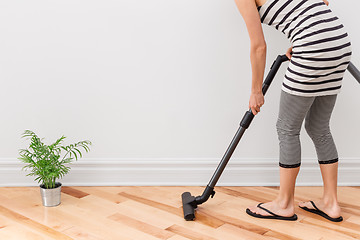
51, 197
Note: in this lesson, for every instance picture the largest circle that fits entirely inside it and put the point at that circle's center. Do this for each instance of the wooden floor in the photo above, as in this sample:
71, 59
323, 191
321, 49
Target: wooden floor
156, 213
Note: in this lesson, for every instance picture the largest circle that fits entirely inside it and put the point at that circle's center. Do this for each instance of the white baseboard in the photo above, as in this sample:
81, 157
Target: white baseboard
179, 172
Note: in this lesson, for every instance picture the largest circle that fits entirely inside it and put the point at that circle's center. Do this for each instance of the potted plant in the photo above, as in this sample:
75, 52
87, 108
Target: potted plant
48, 163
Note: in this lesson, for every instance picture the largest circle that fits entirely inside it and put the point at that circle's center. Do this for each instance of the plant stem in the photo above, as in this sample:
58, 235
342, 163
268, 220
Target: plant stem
65, 155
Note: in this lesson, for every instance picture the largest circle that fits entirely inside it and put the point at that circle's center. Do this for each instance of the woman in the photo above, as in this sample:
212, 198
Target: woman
319, 56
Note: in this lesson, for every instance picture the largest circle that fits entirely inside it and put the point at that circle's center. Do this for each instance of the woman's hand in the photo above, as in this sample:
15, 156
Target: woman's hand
288, 53
256, 101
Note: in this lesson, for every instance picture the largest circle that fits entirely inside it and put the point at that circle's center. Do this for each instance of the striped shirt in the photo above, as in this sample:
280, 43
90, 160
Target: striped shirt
321, 46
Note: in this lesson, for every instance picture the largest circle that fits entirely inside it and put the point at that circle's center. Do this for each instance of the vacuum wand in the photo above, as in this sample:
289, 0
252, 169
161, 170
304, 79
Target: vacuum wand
354, 71
190, 202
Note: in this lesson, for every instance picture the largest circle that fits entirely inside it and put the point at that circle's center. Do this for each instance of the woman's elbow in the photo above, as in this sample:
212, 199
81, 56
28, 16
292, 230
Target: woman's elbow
259, 48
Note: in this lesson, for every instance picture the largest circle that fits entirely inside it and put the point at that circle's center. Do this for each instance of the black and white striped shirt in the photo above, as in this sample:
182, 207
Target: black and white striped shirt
321, 46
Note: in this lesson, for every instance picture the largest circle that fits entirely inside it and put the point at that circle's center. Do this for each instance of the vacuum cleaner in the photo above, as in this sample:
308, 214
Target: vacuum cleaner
190, 203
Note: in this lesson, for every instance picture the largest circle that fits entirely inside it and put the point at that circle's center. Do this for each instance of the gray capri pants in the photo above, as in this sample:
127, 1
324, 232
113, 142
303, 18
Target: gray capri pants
317, 112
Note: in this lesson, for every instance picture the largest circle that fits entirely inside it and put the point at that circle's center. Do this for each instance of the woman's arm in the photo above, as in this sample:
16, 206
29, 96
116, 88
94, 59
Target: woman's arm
249, 12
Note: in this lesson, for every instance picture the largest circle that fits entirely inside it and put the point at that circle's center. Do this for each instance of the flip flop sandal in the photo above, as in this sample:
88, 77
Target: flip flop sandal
274, 216
321, 213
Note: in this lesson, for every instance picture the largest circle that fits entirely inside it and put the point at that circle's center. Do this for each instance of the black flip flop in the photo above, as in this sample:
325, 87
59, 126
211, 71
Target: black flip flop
321, 213
274, 216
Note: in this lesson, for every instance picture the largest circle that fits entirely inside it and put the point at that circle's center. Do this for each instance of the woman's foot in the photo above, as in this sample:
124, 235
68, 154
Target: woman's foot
274, 207
332, 209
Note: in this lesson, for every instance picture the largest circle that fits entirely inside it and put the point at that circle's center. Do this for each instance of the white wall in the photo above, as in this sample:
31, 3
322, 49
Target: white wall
158, 81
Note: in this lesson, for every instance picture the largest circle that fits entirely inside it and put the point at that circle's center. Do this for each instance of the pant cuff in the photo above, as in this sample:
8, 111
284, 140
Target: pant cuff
289, 165
329, 161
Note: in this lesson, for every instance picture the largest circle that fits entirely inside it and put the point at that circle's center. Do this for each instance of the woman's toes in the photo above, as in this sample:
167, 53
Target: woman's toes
332, 211
306, 204
257, 210
302, 204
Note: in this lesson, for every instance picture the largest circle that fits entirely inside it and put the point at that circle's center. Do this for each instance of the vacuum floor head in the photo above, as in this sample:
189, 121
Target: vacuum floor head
188, 206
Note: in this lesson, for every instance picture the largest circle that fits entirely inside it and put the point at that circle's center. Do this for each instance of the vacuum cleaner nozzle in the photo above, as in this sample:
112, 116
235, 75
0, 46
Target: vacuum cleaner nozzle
190, 203
188, 206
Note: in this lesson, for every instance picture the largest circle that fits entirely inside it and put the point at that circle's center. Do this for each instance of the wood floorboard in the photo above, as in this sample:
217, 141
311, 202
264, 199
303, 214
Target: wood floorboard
74, 192
27, 222
145, 227
150, 213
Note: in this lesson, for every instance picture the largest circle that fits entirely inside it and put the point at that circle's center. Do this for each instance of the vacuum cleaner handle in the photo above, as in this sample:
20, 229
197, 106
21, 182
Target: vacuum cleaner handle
249, 116
273, 70
354, 71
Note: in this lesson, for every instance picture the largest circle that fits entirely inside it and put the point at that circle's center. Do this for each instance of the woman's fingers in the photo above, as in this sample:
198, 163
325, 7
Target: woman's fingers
255, 110
289, 52
288, 55
256, 101
256, 105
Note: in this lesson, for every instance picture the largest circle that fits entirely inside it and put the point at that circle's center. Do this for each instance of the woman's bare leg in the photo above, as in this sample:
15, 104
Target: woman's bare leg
328, 203
317, 126
292, 111
283, 205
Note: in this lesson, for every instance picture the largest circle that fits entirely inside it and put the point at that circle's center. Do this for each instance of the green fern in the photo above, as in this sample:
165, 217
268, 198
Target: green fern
45, 162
